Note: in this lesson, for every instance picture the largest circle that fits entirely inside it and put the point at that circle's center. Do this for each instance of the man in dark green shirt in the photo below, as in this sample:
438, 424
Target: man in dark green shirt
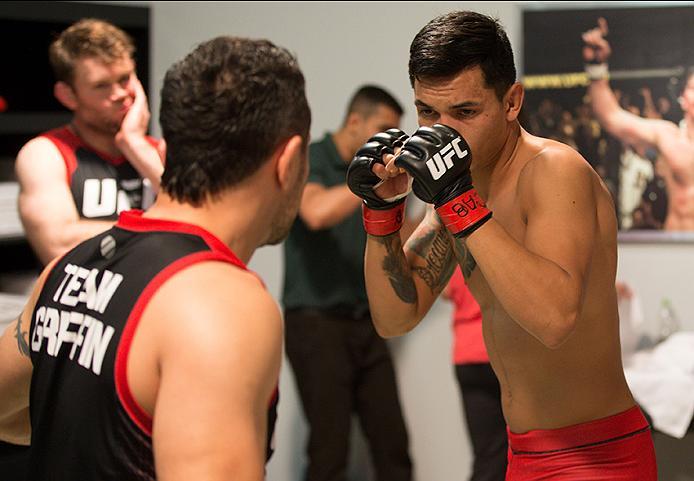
341, 365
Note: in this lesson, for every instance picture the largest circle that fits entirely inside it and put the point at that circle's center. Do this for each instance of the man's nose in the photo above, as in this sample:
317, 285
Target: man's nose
118, 92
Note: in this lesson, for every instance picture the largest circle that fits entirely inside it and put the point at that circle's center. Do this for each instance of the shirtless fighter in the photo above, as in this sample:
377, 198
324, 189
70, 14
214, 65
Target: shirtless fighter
534, 231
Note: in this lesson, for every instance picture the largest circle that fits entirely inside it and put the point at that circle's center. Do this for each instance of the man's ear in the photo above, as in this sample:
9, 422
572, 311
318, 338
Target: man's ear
354, 123
288, 154
353, 119
65, 95
513, 101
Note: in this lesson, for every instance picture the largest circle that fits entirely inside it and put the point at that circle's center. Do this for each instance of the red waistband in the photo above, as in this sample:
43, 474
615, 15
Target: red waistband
592, 432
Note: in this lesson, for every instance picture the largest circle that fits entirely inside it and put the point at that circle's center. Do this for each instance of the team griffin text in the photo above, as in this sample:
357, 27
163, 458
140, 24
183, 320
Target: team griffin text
88, 340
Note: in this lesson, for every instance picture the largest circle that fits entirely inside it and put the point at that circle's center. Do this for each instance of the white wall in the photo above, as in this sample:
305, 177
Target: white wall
656, 271
340, 46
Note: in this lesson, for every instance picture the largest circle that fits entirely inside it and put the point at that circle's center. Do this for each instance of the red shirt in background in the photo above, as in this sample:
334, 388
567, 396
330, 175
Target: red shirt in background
468, 343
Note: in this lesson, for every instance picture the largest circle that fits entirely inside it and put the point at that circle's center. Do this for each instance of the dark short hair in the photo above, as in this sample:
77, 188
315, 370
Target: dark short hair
457, 41
224, 109
367, 98
89, 37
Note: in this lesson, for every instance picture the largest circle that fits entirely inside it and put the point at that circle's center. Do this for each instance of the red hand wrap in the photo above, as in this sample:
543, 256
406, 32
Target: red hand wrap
464, 214
383, 222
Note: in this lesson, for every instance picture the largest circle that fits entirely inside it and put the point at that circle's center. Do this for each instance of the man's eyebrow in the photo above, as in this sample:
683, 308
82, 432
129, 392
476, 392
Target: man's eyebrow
461, 105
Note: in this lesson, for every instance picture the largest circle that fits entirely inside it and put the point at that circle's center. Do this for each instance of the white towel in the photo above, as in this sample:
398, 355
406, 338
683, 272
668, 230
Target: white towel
662, 382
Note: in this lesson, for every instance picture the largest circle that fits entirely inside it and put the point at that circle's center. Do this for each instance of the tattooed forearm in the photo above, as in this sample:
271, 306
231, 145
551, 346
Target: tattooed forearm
435, 248
465, 260
22, 338
395, 266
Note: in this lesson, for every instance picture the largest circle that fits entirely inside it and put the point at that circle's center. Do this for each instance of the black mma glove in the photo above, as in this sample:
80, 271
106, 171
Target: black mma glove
381, 217
438, 159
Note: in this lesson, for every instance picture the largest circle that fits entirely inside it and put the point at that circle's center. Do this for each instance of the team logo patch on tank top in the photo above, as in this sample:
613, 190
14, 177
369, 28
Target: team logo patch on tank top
108, 246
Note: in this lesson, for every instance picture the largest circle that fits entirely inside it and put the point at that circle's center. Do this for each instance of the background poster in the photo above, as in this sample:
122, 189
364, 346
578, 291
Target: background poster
651, 51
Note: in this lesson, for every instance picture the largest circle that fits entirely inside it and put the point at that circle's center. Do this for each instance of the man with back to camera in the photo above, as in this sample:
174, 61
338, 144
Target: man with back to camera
674, 143
533, 229
341, 365
150, 351
74, 180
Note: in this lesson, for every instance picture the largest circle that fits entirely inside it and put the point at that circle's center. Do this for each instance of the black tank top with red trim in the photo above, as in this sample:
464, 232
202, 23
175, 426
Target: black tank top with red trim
85, 422
102, 186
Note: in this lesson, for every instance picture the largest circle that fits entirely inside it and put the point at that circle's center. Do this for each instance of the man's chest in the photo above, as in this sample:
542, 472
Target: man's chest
678, 155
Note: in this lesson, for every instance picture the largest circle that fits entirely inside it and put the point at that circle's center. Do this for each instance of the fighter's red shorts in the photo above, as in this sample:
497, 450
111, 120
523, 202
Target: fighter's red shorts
616, 448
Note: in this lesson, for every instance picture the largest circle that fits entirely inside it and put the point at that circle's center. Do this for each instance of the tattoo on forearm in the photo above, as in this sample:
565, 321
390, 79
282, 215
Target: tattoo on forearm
395, 266
465, 260
435, 248
22, 338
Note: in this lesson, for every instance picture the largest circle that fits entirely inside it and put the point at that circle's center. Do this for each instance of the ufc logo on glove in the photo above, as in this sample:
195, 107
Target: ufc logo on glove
442, 160
438, 158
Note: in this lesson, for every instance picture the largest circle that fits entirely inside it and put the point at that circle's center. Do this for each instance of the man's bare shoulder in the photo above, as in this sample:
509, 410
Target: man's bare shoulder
213, 302
36, 155
219, 294
667, 126
554, 172
39, 145
546, 158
